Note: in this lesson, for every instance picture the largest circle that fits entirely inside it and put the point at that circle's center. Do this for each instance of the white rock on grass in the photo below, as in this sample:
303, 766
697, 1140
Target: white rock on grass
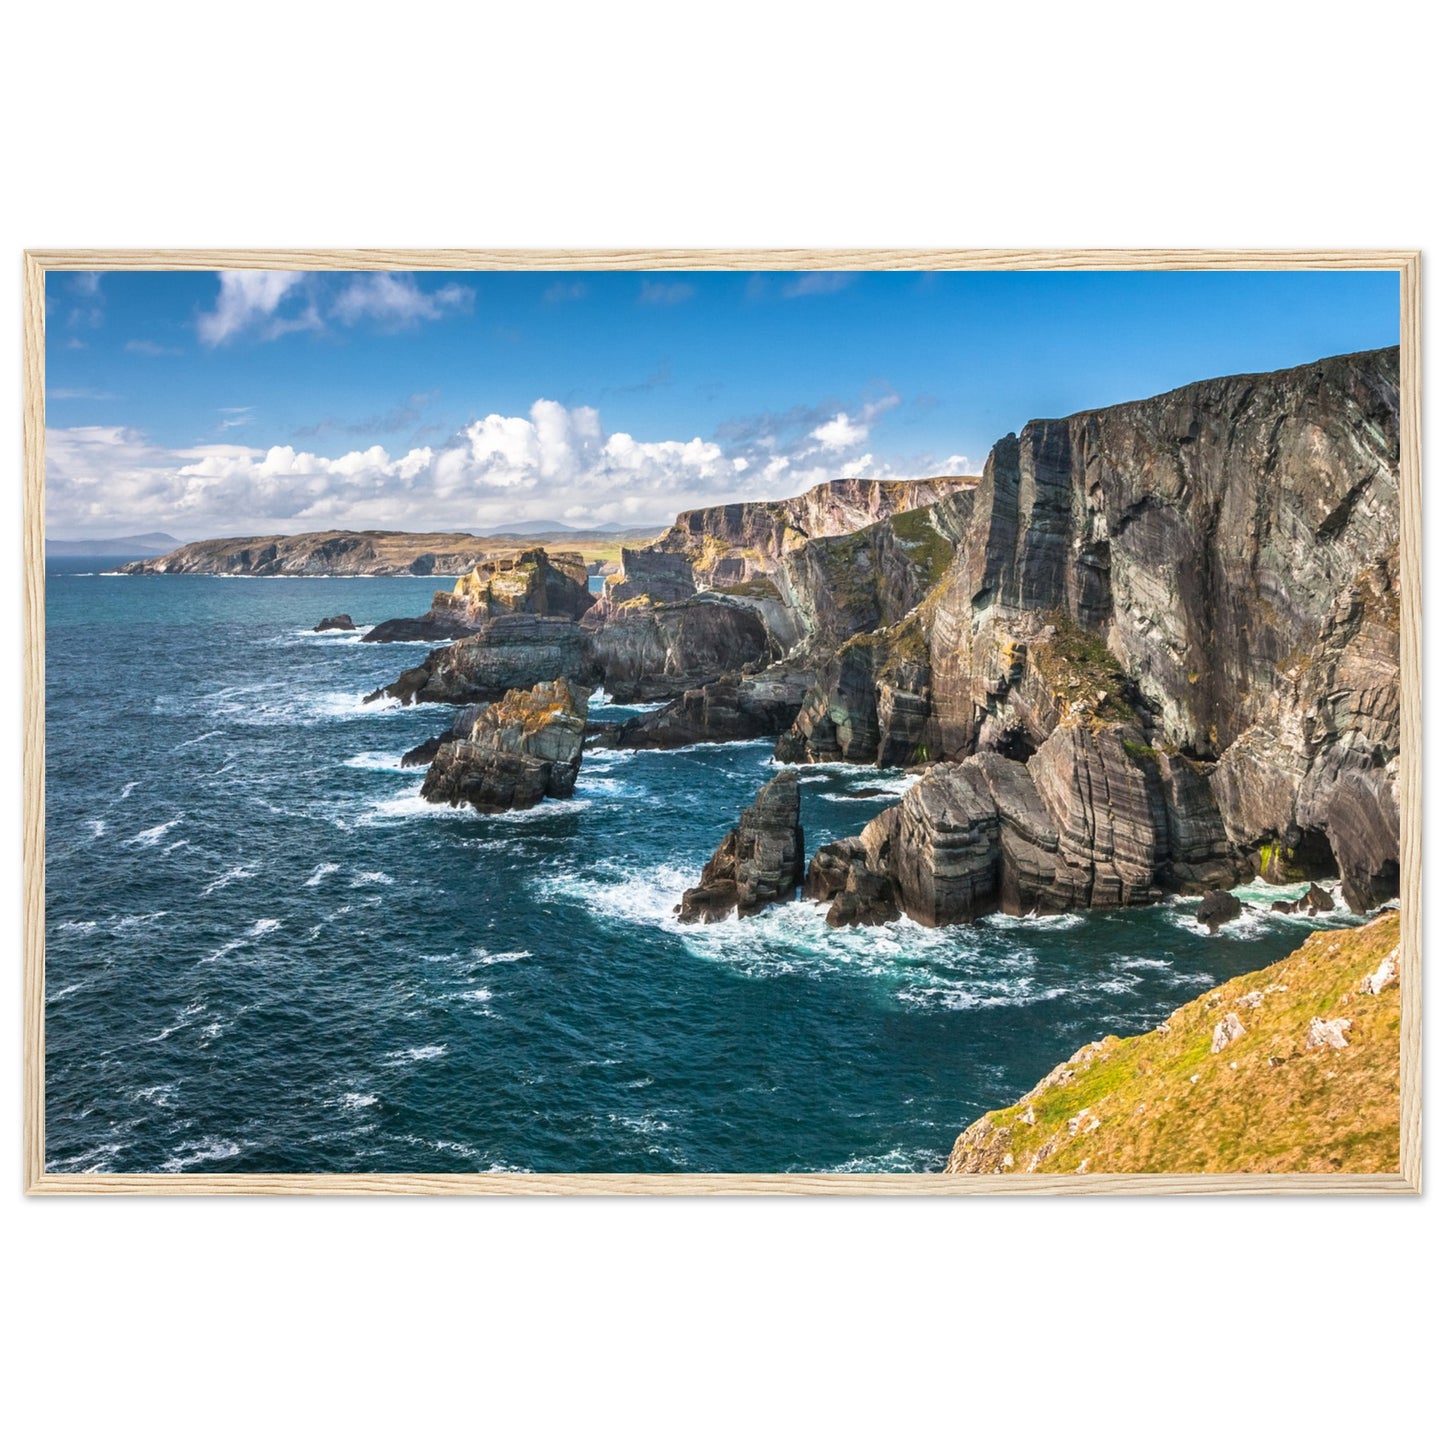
1387, 972
1226, 1031
1328, 1033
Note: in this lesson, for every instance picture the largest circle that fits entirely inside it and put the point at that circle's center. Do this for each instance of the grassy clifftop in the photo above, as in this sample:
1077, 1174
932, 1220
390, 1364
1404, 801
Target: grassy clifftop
1295, 1068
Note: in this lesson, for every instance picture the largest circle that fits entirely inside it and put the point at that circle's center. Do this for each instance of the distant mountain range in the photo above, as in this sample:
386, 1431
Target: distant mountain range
148, 544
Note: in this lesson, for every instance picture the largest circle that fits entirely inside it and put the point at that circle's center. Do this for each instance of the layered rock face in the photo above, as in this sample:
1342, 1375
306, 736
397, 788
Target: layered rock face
523, 749
1092, 820
639, 653
505, 653
735, 708
774, 557
1213, 571
644, 653
533, 581
758, 863
729, 544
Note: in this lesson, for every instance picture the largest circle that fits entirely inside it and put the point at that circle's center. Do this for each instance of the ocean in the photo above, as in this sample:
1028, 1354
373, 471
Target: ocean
265, 952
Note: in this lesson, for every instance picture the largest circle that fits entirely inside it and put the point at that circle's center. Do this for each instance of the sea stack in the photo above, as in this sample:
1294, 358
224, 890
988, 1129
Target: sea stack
758, 863
520, 750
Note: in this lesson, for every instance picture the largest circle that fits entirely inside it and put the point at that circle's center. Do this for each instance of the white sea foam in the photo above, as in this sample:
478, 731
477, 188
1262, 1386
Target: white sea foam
209, 1150
640, 1123
65, 992
88, 1161
598, 785
96, 826
477, 995
151, 836
419, 1055
262, 926
321, 870
230, 876
216, 955
357, 1101
1035, 922
191, 742
187, 1016
893, 1161
129, 788
411, 805
163, 1096
371, 880
136, 920
82, 925
481, 956
378, 762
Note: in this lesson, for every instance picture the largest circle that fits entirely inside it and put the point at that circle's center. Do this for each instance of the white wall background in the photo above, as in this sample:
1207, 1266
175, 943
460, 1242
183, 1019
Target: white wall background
1124, 124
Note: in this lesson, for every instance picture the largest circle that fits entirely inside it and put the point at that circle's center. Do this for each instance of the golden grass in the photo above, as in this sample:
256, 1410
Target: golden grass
1163, 1102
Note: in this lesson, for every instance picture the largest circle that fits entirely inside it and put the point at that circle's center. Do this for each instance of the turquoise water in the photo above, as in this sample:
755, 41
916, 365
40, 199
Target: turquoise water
265, 953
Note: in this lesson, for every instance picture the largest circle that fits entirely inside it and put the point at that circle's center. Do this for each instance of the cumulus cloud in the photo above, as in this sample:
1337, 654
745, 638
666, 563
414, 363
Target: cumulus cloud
839, 433
556, 462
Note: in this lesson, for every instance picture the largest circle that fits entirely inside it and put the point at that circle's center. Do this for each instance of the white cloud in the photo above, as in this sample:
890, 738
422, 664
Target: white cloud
555, 462
251, 299
394, 300
840, 433
266, 305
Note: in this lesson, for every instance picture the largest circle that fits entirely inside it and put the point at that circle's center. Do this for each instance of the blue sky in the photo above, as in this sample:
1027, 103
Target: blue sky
205, 404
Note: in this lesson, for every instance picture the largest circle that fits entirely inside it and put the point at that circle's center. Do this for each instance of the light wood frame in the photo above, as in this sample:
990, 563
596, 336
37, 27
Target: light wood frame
1405, 262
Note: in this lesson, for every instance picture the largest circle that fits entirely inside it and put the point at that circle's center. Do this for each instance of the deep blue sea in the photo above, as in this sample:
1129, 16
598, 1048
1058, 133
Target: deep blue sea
264, 952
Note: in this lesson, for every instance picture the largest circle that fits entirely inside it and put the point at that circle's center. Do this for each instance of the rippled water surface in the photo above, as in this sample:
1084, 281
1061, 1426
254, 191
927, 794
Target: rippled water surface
264, 952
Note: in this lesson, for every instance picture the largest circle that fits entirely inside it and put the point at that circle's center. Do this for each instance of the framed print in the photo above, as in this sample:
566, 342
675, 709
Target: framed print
703, 721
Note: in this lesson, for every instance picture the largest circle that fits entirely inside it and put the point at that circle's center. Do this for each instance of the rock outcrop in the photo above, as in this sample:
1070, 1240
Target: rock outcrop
641, 652
340, 623
505, 653
1217, 908
534, 581
758, 863
735, 708
518, 751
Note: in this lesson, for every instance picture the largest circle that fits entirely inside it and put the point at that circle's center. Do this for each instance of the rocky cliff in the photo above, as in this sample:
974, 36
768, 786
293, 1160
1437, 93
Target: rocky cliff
1181, 615
1293, 1068
355, 554
820, 566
